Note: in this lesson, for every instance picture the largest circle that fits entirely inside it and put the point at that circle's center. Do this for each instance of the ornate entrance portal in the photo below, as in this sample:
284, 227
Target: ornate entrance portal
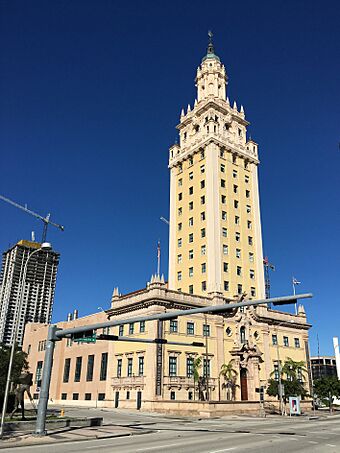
244, 384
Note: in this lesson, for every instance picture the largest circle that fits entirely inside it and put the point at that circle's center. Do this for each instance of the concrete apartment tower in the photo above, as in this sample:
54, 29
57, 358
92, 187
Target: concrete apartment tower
39, 287
215, 226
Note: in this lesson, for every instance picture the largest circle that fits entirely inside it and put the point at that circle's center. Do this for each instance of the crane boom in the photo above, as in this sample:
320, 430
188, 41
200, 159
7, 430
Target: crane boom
46, 220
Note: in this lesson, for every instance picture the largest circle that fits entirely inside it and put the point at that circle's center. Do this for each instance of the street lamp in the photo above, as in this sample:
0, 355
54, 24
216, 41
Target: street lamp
46, 246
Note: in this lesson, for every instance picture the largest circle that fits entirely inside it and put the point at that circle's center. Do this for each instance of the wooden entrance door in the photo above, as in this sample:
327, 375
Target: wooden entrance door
244, 384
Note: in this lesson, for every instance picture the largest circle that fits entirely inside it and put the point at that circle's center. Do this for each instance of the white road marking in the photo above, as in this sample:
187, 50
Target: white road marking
330, 445
225, 449
158, 447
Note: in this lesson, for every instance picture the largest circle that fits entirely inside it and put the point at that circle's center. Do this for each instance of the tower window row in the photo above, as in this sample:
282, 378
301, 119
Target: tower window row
226, 287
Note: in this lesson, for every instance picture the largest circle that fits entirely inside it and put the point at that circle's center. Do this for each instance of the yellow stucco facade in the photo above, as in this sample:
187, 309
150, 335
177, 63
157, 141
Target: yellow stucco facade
215, 257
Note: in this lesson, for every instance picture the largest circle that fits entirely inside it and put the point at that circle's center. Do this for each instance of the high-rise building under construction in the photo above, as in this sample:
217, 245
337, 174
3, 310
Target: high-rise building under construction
38, 285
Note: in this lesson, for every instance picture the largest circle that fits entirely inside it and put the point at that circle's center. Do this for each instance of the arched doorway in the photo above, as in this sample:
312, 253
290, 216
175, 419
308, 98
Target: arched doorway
244, 384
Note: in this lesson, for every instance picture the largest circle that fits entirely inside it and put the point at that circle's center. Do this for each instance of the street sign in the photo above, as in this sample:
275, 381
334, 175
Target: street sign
89, 336
294, 405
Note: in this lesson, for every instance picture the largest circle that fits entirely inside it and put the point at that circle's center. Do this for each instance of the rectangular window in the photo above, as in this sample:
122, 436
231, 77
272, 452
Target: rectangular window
222, 153
191, 254
172, 366
180, 182
87, 396
179, 226
203, 268
142, 327
237, 237
297, 342
246, 179
101, 396
64, 396
173, 326
285, 341
202, 154
247, 193
202, 215
75, 396
140, 366
239, 270
225, 267
224, 215
179, 276
237, 220
276, 372
202, 232
203, 250
191, 271
224, 232
89, 369
129, 367
202, 184
202, 199
180, 211
172, 395
223, 199
191, 289
252, 292
190, 367
206, 330
222, 182
190, 328
249, 224
67, 366
191, 190
191, 205
204, 286
179, 259
77, 373
103, 366
239, 289
226, 286
274, 340
121, 331
238, 253
191, 221
225, 249
206, 368
222, 168
251, 257
235, 188
191, 237
180, 196
191, 176
234, 174
250, 240
202, 168
252, 274
131, 328
119, 367
179, 242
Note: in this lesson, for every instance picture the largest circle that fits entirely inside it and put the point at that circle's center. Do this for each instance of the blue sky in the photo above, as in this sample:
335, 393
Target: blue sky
90, 96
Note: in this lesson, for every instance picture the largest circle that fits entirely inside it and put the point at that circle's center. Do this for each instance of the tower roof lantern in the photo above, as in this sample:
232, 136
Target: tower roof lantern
210, 49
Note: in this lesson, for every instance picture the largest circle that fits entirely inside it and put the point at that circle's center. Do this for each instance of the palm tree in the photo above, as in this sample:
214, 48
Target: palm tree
196, 365
292, 369
229, 375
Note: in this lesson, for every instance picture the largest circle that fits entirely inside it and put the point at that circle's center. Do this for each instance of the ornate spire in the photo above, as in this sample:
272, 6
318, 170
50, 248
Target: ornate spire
210, 49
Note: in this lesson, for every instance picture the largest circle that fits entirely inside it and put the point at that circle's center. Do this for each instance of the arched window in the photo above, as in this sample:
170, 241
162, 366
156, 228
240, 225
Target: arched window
243, 334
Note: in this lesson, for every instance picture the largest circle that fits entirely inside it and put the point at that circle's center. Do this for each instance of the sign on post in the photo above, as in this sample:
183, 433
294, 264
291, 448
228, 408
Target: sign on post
294, 405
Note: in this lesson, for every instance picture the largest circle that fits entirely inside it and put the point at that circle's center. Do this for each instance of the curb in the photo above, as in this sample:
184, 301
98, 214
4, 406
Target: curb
59, 441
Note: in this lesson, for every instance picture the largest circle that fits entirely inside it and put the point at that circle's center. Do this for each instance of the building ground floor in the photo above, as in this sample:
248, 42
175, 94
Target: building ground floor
211, 363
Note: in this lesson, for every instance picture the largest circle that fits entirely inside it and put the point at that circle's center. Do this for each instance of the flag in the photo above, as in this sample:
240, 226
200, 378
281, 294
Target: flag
296, 282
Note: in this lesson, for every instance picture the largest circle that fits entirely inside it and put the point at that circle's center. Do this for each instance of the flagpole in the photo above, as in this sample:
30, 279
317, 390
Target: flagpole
158, 258
294, 292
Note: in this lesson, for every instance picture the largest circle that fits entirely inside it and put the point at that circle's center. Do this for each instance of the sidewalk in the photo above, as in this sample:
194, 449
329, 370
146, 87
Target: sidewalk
70, 435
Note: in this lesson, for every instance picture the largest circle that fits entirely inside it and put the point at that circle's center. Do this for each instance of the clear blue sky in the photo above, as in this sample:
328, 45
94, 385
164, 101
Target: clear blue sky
91, 92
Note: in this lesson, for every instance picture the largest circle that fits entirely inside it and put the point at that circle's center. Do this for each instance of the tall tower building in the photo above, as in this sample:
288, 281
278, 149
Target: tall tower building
215, 227
39, 287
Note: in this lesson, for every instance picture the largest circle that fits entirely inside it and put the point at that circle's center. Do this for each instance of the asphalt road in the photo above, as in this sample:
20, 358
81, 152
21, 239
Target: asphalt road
185, 435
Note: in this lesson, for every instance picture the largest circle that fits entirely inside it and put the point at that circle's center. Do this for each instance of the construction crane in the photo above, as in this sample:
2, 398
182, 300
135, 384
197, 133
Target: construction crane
46, 220
267, 266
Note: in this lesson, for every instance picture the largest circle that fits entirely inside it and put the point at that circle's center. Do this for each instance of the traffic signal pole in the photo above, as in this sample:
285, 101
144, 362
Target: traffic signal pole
56, 334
